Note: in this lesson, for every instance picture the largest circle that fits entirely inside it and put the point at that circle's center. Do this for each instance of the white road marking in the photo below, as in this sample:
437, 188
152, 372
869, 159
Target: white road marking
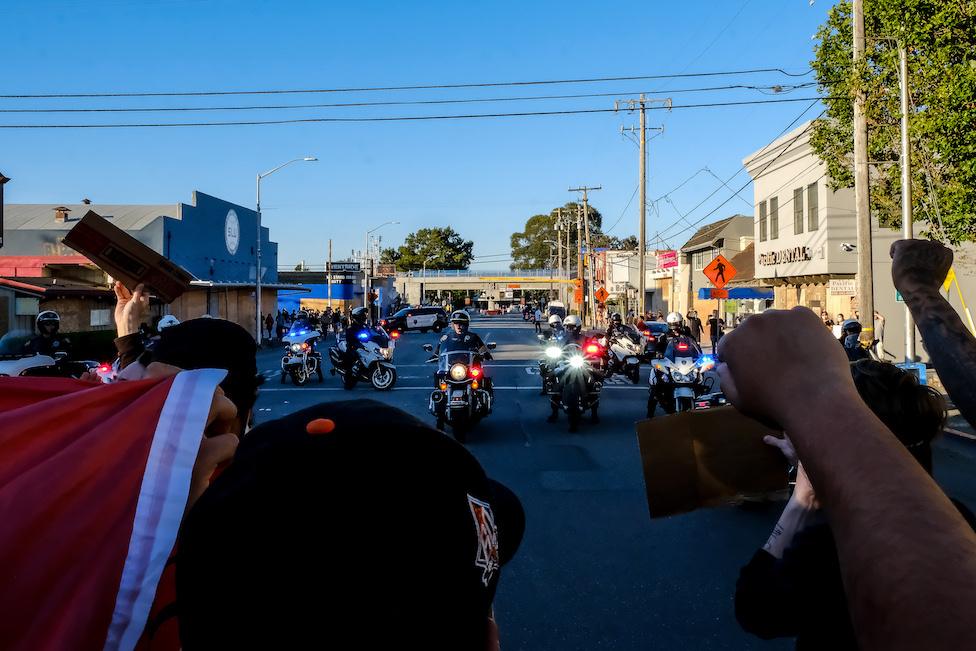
428, 388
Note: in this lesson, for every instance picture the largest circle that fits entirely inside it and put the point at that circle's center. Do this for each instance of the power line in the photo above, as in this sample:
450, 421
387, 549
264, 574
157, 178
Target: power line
426, 102
623, 212
399, 118
585, 80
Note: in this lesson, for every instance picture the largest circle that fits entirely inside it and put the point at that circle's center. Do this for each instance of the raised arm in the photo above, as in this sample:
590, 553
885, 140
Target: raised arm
918, 268
907, 557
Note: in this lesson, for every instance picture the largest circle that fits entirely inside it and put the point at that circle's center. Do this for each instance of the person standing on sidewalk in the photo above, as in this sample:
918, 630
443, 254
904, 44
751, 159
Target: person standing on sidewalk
879, 323
716, 328
695, 325
537, 320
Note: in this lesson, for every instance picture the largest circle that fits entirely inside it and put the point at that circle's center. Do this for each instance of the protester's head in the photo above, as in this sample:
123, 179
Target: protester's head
840, 318
215, 343
915, 413
346, 521
715, 313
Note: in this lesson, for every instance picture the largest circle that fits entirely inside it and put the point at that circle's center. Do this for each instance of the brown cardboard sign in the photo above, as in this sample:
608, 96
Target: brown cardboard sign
127, 259
707, 458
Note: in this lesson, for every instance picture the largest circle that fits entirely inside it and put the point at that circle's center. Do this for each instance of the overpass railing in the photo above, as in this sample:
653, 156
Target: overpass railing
472, 273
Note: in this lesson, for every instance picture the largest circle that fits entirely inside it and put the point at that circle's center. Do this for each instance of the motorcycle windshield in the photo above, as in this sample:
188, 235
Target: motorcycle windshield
682, 347
453, 357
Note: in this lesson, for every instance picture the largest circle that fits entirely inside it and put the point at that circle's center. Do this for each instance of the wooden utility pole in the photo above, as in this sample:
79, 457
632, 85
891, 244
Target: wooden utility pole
559, 249
862, 192
906, 191
640, 104
3, 179
588, 288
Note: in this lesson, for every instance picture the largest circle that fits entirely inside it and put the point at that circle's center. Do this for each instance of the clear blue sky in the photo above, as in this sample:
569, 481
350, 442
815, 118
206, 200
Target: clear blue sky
483, 177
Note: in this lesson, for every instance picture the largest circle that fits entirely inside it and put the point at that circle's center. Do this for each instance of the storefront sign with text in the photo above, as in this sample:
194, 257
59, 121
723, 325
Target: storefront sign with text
796, 254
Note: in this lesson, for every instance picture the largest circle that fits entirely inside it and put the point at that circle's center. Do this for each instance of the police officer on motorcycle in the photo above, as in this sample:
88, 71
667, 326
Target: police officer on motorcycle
459, 338
616, 327
850, 335
556, 327
47, 341
676, 328
357, 321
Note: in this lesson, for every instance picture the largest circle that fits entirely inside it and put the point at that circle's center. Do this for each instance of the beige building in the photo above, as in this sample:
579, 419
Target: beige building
728, 237
806, 241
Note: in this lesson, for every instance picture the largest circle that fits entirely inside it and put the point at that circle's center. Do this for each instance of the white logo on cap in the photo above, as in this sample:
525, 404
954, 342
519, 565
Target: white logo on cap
484, 525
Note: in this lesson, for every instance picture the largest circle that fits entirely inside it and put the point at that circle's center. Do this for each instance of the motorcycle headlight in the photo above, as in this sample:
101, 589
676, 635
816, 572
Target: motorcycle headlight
458, 372
577, 361
554, 352
386, 352
296, 348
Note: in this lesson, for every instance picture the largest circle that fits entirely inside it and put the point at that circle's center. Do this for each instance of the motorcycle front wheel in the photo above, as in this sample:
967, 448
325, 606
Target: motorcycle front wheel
634, 374
299, 375
383, 378
682, 404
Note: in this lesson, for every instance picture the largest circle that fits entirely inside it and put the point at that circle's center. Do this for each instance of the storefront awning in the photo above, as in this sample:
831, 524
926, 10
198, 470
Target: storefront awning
741, 293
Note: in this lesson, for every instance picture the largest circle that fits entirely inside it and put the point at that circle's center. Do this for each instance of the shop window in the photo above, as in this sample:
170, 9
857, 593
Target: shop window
774, 218
700, 259
762, 221
798, 211
101, 317
26, 306
813, 216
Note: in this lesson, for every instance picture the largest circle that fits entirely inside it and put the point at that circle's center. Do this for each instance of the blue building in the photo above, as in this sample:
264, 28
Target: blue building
213, 239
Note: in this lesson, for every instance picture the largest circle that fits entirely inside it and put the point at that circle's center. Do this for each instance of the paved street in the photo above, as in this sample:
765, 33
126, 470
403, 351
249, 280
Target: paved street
593, 572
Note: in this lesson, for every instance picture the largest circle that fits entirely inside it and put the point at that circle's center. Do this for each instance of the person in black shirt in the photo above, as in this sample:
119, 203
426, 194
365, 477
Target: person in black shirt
47, 341
792, 587
357, 321
460, 338
716, 328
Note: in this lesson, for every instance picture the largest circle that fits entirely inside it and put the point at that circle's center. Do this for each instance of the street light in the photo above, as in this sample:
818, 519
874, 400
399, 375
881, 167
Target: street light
257, 248
366, 262
426, 260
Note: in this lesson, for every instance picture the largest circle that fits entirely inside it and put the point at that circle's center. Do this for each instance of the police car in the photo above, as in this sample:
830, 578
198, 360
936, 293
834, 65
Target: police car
416, 318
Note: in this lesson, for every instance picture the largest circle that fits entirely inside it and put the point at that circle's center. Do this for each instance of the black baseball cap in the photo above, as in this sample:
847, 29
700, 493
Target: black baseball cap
214, 343
348, 524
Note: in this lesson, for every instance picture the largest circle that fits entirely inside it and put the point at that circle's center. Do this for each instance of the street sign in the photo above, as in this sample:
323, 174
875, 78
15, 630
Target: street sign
720, 293
602, 294
842, 287
345, 266
667, 259
719, 271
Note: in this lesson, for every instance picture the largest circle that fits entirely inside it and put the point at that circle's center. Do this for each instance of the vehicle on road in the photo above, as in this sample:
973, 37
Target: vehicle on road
678, 377
625, 350
416, 318
301, 360
653, 331
374, 362
461, 397
578, 374
556, 308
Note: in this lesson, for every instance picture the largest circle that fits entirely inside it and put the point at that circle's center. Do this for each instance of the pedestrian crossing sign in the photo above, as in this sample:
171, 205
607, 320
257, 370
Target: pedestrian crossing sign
719, 271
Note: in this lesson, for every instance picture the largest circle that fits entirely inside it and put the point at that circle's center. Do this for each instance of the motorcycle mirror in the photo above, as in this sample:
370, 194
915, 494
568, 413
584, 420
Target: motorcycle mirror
492, 345
60, 355
428, 347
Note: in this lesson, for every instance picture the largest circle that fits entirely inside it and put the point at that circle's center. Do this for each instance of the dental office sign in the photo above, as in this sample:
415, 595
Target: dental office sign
796, 254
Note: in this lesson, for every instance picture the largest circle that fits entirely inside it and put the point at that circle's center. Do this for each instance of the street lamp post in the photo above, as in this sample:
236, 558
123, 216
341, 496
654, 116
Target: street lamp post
366, 262
257, 246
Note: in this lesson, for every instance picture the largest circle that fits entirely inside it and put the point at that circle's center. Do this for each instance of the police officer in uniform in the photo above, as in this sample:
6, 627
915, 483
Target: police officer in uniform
47, 341
357, 321
459, 338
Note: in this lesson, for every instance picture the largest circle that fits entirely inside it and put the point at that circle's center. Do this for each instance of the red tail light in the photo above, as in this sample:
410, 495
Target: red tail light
682, 346
104, 368
395, 334
651, 337
592, 348
475, 372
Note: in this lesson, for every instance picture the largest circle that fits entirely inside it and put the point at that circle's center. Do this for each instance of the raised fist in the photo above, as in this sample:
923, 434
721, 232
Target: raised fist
919, 265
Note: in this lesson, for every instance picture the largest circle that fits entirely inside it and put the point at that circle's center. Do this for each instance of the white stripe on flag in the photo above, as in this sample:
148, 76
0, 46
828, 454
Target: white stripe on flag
162, 499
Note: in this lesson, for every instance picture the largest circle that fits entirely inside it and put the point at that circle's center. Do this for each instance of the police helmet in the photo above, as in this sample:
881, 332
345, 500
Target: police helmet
572, 323
48, 321
461, 318
674, 319
359, 316
616, 319
555, 321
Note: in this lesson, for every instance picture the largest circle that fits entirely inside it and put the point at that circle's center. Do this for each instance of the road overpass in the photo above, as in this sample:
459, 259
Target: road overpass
487, 289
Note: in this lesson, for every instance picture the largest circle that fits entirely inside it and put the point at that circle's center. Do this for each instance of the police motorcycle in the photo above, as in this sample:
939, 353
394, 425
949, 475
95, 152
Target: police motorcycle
461, 398
578, 369
625, 349
374, 362
41, 355
678, 378
300, 360
552, 343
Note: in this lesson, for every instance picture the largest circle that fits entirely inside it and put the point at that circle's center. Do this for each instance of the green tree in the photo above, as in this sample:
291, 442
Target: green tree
441, 248
530, 250
940, 38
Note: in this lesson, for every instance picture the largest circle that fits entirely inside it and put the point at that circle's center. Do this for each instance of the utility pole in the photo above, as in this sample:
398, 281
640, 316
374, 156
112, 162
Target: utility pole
862, 198
559, 249
328, 273
906, 191
640, 104
588, 285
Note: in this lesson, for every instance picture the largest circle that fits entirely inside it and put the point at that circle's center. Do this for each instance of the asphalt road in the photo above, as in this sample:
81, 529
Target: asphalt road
594, 571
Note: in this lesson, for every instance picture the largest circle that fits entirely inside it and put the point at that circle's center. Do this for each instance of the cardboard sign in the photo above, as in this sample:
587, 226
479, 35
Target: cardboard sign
126, 259
707, 458
719, 271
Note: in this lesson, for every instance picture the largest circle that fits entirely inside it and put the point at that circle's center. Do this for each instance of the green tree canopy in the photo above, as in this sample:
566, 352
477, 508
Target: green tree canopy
441, 248
531, 251
940, 38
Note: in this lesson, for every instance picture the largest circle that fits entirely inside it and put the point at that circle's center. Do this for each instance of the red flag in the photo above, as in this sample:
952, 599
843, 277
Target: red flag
93, 484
